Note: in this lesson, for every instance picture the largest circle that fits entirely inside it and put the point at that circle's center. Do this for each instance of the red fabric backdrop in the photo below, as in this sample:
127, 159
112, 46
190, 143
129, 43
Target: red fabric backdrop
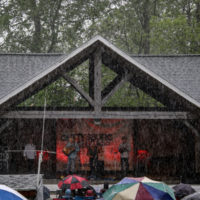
107, 134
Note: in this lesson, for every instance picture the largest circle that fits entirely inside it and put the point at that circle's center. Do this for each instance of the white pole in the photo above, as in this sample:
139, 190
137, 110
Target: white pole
42, 144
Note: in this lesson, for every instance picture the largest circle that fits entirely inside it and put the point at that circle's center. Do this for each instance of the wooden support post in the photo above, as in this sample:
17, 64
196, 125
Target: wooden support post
197, 145
135, 134
91, 77
97, 79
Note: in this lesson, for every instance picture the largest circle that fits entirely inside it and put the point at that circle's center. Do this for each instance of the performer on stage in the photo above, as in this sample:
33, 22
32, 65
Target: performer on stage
79, 141
100, 162
30, 155
71, 150
124, 149
93, 157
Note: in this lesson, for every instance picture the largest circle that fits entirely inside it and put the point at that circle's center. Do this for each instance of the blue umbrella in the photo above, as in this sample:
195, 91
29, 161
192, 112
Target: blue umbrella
7, 193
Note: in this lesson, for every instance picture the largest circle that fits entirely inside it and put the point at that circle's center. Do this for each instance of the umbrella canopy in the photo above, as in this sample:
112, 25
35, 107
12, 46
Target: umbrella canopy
46, 193
10, 194
143, 188
181, 190
73, 182
194, 196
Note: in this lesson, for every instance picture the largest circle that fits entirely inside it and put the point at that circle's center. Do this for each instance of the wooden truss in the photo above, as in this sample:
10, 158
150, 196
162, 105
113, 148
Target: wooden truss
98, 54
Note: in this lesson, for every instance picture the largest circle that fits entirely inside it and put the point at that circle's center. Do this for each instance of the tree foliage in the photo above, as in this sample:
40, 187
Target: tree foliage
134, 25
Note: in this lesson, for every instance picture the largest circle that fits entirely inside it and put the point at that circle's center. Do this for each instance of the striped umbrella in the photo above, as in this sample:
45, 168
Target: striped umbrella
142, 188
7, 193
73, 182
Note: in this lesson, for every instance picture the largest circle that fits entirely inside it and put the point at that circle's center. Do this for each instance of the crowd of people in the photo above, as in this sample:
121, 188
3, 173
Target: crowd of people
84, 193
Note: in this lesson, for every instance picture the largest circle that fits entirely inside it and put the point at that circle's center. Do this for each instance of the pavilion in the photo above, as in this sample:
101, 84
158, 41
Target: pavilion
172, 80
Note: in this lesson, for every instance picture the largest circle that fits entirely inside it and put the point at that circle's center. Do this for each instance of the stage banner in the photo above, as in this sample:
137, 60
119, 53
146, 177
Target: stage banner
107, 134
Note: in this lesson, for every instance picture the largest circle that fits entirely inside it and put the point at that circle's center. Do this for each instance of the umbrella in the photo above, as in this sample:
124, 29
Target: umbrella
194, 196
46, 193
73, 182
181, 190
142, 188
10, 194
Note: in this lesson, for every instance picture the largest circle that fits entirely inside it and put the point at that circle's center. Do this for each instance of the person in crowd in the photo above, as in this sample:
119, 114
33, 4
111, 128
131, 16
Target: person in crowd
105, 187
68, 194
142, 161
71, 150
30, 155
80, 192
90, 192
124, 149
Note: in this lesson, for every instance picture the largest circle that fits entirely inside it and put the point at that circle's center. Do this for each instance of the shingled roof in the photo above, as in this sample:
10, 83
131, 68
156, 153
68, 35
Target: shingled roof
16, 70
179, 73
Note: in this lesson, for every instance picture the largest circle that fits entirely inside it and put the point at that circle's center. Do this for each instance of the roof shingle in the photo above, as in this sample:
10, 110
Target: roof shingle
182, 71
17, 69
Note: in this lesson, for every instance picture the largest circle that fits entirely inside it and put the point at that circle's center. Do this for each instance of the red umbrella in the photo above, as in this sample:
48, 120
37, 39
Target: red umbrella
73, 182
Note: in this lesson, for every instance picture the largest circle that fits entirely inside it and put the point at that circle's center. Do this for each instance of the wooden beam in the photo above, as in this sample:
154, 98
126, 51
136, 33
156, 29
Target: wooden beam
91, 77
5, 125
144, 82
95, 115
192, 128
147, 83
110, 86
112, 63
97, 79
79, 89
115, 88
156, 91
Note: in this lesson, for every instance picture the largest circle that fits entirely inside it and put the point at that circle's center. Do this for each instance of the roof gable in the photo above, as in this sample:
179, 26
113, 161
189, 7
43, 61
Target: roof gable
20, 71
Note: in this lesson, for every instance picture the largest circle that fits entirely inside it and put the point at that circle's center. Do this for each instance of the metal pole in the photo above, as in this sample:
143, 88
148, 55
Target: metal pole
42, 144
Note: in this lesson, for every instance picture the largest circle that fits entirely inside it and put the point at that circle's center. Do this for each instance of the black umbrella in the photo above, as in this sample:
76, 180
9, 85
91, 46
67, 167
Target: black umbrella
181, 190
194, 196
